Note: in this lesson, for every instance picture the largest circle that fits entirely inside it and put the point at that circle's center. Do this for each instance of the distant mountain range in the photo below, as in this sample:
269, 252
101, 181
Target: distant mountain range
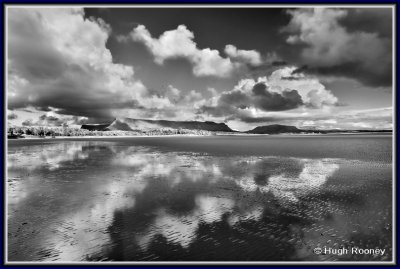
282, 129
129, 124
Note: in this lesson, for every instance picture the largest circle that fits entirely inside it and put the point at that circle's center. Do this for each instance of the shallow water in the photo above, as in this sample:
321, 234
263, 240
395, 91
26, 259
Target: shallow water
258, 198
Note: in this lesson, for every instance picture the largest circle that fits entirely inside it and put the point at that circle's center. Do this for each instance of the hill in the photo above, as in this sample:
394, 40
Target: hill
129, 124
95, 127
274, 129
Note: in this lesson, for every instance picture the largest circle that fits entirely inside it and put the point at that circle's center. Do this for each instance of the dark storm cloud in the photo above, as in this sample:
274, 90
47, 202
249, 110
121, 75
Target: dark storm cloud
259, 97
67, 68
354, 43
370, 20
279, 63
74, 92
350, 70
271, 101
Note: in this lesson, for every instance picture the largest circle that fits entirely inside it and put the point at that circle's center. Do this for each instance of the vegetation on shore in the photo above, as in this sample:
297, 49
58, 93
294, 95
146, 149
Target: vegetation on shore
69, 131
39, 131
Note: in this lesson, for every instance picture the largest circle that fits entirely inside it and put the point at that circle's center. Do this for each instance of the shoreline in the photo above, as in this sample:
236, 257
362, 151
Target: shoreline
191, 135
100, 136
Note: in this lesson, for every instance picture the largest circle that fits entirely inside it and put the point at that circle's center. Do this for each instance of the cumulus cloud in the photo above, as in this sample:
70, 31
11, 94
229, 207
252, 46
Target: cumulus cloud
179, 43
252, 57
332, 49
259, 96
274, 93
59, 65
58, 58
170, 103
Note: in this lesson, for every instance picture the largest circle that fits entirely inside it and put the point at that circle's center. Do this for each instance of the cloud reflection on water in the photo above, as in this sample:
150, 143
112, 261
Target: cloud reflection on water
119, 201
47, 155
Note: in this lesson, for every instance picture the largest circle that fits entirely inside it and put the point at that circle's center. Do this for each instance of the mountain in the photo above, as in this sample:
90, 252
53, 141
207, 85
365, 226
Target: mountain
274, 129
128, 124
282, 129
95, 127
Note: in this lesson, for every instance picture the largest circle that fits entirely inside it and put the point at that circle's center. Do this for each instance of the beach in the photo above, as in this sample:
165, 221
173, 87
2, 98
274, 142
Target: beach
267, 198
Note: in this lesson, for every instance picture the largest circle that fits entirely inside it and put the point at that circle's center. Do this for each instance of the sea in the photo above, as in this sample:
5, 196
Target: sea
249, 198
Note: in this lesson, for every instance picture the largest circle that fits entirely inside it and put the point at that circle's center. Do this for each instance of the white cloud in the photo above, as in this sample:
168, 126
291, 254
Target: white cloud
330, 44
171, 44
182, 229
281, 91
314, 175
178, 43
311, 90
248, 56
58, 58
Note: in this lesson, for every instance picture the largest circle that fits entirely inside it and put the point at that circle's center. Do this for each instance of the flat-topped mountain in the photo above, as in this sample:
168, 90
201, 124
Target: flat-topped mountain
287, 129
128, 124
274, 129
95, 127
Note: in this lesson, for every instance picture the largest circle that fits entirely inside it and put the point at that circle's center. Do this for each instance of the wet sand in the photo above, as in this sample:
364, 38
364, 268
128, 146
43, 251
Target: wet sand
258, 198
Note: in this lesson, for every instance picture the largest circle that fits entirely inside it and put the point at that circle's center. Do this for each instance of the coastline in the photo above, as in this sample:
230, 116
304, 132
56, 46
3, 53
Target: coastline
36, 138
101, 136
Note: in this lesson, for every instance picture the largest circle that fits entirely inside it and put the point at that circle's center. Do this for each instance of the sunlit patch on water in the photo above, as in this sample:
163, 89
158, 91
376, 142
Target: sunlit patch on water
108, 201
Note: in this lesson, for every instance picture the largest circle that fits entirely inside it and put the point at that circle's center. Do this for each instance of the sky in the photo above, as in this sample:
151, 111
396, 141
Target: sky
314, 68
